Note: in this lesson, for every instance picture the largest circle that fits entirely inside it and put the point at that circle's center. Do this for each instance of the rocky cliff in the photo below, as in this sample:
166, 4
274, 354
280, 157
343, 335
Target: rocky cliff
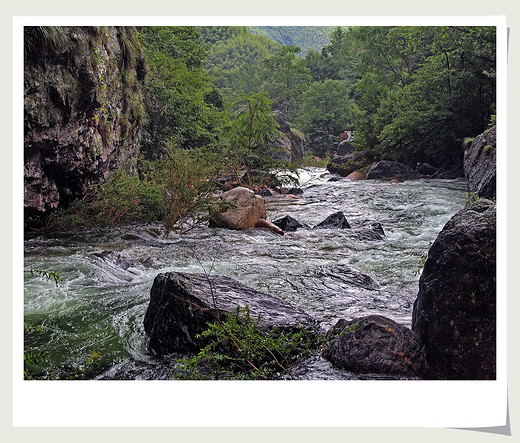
83, 111
480, 164
291, 142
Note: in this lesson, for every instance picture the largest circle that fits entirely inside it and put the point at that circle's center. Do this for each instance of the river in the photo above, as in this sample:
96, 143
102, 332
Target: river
107, 274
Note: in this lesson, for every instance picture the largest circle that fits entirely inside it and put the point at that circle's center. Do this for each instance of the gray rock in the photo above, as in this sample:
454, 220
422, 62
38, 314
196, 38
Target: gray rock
376, 345
386, 170
334, 221
288, 224
480, 165
182, 305
455, 311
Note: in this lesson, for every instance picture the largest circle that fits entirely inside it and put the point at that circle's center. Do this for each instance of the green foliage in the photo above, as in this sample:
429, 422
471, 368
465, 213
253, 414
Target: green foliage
423, 89
326, 109
304, 37
237, 348
189, 180
122, 199
310, 160
288, 77
251, 137
176, 91
51, 275
31, 360
236, 58
467, 141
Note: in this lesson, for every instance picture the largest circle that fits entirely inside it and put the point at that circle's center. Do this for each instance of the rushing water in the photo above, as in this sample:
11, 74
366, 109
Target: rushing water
108, 273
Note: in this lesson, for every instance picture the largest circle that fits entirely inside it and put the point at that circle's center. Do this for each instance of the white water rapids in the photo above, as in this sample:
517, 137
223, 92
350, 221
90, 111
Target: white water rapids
108, 273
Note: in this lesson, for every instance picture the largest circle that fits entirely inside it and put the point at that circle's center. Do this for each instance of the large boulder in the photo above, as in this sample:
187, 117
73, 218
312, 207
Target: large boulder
388, 170
480, 164
344, 165
455, 311
247, 208
356, 175
344, 148
182, 305
375, 344
368, 230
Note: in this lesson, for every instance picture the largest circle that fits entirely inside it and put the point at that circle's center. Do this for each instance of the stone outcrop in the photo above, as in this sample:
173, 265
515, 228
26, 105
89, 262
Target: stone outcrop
375, 344
368, 230
291, 142
426, 169
345, 165
83, 111
480, 164
344, 148
455, 311
247, 211
388, 170
182, 305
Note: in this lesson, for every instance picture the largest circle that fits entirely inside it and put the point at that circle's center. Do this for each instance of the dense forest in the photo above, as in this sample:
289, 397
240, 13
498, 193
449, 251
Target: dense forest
210, 95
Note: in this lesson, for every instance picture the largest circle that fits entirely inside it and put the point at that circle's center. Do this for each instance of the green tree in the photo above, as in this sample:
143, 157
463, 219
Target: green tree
288, 77
177, 91
326, 109
450, 96
252, 136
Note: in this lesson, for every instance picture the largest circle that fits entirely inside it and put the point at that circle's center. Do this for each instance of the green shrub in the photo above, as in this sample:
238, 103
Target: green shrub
189, 181
122, 199
237, 348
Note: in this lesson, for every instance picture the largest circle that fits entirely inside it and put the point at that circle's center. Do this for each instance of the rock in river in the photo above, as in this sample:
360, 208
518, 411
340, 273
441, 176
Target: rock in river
248, 211
288, 224
375, 344
386, 170
455, 310
334, 221
182, 305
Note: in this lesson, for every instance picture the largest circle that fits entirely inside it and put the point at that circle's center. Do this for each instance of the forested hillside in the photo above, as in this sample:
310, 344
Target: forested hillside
410, 94
304, 37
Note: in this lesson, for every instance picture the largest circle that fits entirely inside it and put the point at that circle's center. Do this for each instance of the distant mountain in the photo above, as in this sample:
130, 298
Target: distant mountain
305, 37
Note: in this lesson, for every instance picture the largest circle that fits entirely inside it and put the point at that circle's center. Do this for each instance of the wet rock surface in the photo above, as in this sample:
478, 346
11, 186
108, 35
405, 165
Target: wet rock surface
386, 170
182, 305
76, 130
288, 224
455, 310
377, 345
334, 221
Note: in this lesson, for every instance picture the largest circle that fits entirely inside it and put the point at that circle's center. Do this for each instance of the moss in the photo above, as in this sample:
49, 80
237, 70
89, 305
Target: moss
487, 149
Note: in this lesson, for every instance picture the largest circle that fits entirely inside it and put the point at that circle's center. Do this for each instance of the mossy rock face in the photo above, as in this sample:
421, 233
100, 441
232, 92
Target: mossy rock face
345, 165
83, 111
